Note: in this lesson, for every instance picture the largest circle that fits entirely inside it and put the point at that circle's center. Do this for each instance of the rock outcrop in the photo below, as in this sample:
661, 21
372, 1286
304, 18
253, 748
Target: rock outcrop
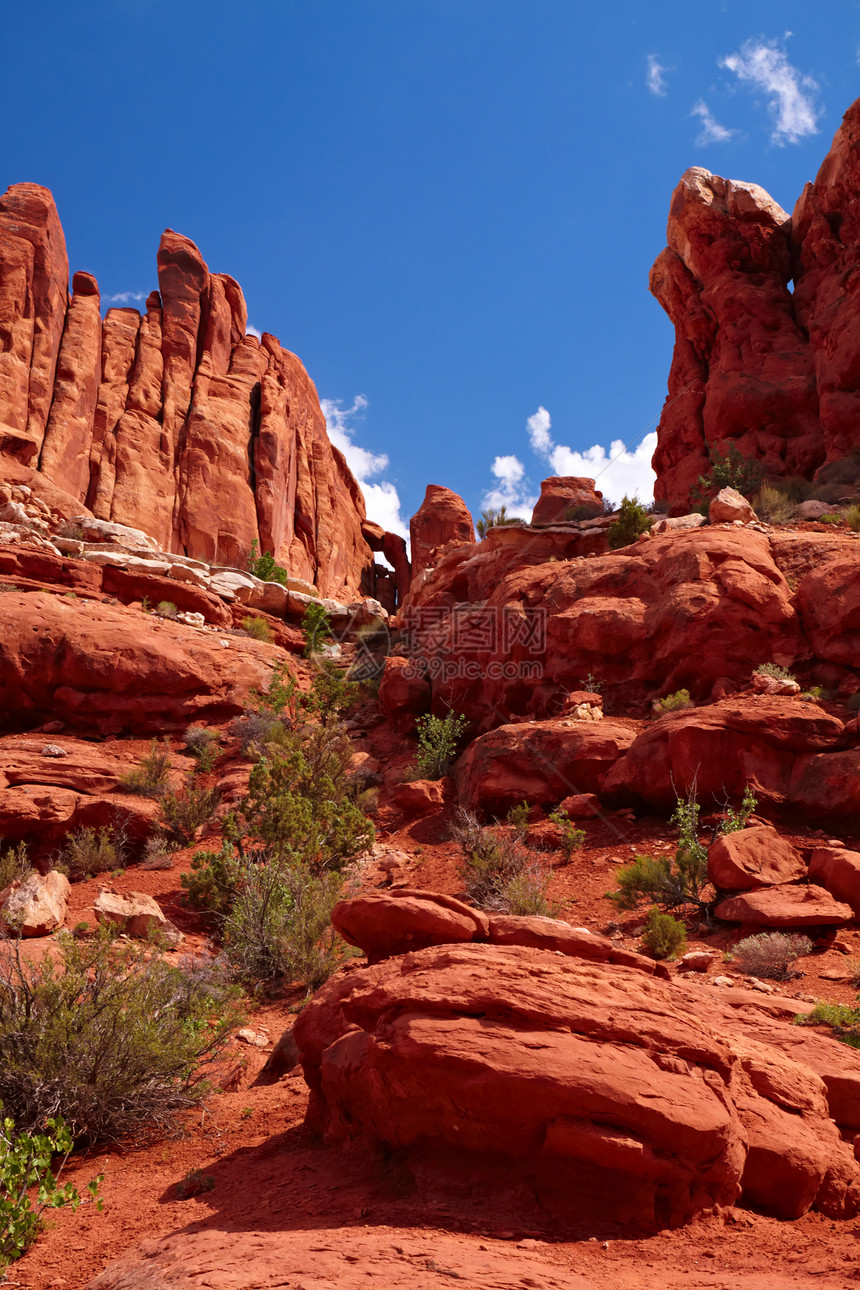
176, 422
442, 523
602, 1088
773, 371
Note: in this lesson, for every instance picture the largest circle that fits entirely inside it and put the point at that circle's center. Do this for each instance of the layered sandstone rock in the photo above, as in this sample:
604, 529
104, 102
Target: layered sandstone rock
566, 497
442, 523
176, 422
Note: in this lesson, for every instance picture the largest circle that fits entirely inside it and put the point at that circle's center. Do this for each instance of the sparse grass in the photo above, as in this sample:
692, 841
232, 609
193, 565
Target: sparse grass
87, 852
497, 872
195, 1183
852, 517
166, 609
773, 505
151, 777
832, 518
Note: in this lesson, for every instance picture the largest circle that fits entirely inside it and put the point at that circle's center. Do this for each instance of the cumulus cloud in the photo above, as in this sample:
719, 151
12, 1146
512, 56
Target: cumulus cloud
618, 471
123, 297
763, 65
655, 81
253, 331
511, 489
711, 131
380, 497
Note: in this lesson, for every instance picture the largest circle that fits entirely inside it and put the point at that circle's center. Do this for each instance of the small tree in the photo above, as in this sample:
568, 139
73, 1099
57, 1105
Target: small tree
437, 742
316, 628
492, 518
633, 519
729, 470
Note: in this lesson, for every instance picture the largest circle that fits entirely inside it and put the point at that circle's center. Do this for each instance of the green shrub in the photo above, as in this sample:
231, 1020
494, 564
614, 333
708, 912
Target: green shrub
166, 609
774, 669
525, 894
202, 744
769, 954
681, 881
572, 838
633, 519
491, 519
14, 865
184, 811
518, 817
831, 518
215, 877
152, 776
773, 505
591, 684
316, 628
852, 516
843, 1019
675, 702
265, 566
107, 1035
259, 629
732, 470
87, 852
25, 1167
664, 937
279, 928
437, 743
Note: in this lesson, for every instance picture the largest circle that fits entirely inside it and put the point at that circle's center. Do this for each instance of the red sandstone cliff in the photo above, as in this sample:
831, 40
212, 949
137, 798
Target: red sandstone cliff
771, 369
177, 422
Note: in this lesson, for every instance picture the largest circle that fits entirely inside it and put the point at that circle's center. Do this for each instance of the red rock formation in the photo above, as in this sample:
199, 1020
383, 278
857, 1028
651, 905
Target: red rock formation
442, 523
178, 423
754, 857
772, 371
565, 497
532, 1065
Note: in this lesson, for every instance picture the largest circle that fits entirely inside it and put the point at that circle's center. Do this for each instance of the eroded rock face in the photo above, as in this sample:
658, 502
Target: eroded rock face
177, 422
533, 1064
754, 857
38, 906
442, 522
774, 372
566, 497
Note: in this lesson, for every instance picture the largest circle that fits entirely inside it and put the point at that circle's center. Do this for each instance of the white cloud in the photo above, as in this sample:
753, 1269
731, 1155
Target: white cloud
253, 331
711, 131
123, 297
381, 498
619, 471
512, 490
763, 65
655, 81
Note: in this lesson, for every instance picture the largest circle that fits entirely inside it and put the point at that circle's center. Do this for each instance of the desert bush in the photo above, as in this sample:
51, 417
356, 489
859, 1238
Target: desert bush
664, 937
497, 872
729, 470
518, 818
107, 1035
773, 505
254, 730
572, 837
215, 876
680, 881
166, 609
843, 1018
775, 669
279, 927
852, 516
87, 852
201, 743
195, 1183
769, 954
492, 518
14, 865
25, 1168
633, 520
832, 518
584, 511
676, 702
437, 743
158, 853
152, 775
183, 812
265, 566
258, 628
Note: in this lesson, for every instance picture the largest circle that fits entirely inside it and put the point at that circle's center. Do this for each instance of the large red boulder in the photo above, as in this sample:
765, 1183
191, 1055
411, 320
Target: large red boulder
541, 762
520, 1063
753, 857
838, 869
443, 521
566, 497
785, 906
393, 922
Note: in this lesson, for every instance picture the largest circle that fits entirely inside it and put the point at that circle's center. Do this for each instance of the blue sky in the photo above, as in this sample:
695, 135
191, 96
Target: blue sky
446, 208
